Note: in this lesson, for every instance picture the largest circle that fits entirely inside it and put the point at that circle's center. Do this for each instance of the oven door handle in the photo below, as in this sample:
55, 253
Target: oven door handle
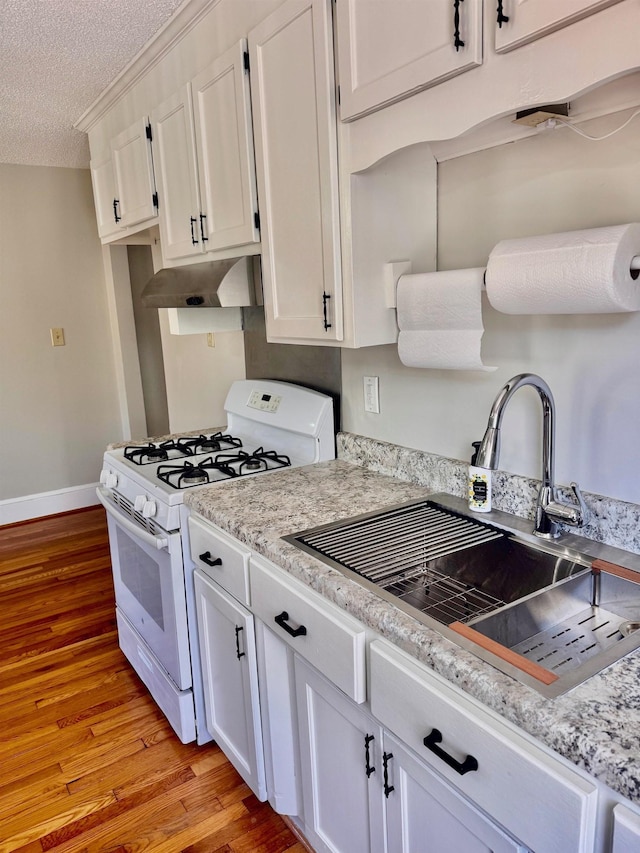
158, 542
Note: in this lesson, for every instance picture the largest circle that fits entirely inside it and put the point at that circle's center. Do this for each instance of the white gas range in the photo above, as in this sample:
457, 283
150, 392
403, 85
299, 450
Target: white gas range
270, 426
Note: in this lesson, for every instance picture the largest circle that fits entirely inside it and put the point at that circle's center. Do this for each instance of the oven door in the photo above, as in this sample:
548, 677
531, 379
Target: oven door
148, 576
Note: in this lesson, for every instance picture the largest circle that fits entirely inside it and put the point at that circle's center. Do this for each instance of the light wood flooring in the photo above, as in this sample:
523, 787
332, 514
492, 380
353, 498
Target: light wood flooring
87, 762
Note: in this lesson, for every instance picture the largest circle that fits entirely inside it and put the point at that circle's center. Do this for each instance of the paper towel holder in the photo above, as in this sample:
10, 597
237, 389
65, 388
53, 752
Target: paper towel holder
393, 270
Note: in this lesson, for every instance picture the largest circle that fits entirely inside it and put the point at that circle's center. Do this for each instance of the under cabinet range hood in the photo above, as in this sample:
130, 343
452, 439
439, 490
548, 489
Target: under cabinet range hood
215, 284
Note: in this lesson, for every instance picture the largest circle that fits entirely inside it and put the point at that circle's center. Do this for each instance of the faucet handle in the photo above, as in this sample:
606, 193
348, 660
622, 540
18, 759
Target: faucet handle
582, 507
573, 514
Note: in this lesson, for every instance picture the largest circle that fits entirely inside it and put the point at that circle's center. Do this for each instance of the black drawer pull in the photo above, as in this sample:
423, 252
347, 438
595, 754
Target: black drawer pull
281, 620
239, 654
209, 560
368, 768
466, 766
386, 758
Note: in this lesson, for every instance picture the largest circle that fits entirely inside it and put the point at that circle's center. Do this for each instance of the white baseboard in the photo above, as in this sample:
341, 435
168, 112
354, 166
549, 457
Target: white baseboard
47, 503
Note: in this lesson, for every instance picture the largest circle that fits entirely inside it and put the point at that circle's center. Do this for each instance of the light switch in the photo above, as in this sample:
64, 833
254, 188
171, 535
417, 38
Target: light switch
57, 337
371, 395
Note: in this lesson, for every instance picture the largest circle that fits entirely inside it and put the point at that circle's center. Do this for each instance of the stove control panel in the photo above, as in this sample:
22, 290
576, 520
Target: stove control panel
264, 402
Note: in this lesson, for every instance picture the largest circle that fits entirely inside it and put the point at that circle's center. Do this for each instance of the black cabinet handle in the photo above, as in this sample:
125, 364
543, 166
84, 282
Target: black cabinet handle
466, 766
457, 41
209, 560
367, 766
386, 758
281, 620
239, 654
502, 18
203, 216
116, 215
325, 298
194, 221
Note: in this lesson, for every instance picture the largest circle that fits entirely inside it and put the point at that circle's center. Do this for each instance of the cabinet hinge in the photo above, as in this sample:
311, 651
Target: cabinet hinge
154, 198
339, 95
148, 131
256, 220
245, 59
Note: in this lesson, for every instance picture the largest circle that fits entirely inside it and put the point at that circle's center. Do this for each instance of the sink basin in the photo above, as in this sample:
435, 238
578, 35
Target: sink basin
570, 631
492, 587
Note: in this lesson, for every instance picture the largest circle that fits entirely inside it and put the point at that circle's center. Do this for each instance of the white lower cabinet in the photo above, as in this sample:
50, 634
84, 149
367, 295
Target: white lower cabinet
230, 678
425, 815
522, 786
388, 758
626, 830
341, 760
364, 792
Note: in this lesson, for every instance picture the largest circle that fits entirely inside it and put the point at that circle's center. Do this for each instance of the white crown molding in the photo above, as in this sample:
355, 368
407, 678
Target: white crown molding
188, 15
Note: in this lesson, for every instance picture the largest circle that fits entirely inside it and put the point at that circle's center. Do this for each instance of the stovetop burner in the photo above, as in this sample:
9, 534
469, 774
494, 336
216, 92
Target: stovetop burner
185, 474
156, 452
165, 451
259, 460
210, 443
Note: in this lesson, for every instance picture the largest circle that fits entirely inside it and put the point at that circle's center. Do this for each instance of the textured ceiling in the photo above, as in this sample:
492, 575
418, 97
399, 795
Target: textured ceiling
56, 57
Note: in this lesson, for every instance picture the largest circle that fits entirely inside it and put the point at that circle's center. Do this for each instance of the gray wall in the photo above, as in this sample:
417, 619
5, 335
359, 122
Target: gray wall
58, 406
547, 183
318, 368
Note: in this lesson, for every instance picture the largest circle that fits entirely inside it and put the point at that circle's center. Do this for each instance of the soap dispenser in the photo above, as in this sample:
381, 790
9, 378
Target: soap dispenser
479, 490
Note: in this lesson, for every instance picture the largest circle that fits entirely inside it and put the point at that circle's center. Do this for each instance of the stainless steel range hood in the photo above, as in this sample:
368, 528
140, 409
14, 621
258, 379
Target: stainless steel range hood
214, 284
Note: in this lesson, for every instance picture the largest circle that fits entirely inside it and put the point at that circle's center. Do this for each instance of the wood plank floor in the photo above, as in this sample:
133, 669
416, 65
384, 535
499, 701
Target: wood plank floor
87, 762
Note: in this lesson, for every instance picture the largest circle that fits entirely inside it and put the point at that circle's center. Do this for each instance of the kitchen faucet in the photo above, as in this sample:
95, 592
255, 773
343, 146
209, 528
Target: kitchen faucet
550, 511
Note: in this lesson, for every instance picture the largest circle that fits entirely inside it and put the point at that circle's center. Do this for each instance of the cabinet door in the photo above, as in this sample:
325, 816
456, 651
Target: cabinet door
226, 161
341, 781
230, 680
176, 176
626, 830
527, 20
425, 815
293, 100
104, 195
133, 171
388, 49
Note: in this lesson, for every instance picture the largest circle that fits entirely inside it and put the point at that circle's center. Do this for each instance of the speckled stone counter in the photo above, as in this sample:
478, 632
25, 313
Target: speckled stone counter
596, 725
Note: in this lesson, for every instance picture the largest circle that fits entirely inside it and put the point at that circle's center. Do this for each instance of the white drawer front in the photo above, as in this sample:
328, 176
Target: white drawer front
230, 569
536, 797
331, 640
176, 705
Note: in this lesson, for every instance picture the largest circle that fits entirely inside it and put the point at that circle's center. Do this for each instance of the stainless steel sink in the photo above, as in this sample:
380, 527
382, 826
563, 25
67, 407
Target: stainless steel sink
491, 587
573, 629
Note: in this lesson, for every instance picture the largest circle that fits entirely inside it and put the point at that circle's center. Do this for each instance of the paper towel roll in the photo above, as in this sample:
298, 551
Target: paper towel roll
576, 272
440, 319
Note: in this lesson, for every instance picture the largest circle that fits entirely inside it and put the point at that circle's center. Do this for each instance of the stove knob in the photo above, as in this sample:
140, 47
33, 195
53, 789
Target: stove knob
103, 477
111, 480
139, 503
149, 509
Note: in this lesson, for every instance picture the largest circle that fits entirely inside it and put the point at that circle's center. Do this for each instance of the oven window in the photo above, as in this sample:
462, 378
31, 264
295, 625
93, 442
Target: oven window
141, 576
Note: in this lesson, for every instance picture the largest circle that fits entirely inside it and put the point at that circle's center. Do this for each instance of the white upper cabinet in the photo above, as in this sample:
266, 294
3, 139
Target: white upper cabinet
293, 101
224, 141
135, 199
176, 176
388, 49
522, 21
104, 195
205, 168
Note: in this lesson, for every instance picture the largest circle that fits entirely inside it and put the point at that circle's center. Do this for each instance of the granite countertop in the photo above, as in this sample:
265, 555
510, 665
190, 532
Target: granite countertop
596, 725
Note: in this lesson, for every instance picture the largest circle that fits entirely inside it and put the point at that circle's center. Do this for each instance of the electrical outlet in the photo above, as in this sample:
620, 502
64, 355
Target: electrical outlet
211, 339
57, 337
371, 395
